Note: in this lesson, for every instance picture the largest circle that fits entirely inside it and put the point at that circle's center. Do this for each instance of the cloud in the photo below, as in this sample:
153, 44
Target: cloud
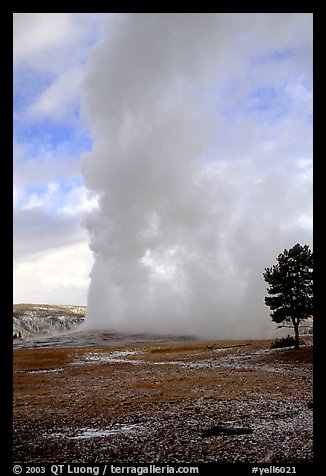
58, 276
54, 41
45, 164
197, 160
60, 99
36, 230
49, 53
35, 34
52, 260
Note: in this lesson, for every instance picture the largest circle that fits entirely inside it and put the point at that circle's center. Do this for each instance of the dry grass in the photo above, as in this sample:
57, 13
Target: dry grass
302, 355
38, 359
156, 383
196, 346
147, 383
175, 348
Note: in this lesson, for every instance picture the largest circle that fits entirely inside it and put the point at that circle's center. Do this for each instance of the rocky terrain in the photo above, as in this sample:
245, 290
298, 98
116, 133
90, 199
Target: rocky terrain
149, 400
43, 319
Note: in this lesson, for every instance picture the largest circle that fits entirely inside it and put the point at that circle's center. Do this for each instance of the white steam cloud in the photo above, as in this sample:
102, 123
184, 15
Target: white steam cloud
200, 184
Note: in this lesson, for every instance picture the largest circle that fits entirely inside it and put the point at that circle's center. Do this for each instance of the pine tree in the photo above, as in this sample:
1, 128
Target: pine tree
291, 287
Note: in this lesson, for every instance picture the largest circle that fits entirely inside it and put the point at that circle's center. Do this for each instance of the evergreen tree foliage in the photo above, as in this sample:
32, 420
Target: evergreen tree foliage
291, 287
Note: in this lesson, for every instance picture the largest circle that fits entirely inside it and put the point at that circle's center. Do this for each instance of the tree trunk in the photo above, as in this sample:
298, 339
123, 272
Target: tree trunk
296, 333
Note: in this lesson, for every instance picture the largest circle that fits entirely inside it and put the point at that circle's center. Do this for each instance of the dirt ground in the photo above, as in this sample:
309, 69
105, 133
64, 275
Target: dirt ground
160, 403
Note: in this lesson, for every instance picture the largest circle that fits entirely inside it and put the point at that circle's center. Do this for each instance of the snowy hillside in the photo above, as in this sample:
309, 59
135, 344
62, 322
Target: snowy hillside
33, 319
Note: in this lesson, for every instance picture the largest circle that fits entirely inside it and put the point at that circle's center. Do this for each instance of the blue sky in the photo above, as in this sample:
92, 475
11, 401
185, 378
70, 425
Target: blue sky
258, 105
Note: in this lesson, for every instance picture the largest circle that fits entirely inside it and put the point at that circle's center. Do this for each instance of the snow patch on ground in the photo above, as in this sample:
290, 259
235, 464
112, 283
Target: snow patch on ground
117, 357
43, 371
87, 433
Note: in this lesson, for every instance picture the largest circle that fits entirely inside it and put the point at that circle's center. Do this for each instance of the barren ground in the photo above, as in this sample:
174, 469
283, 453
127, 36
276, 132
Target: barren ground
148, 403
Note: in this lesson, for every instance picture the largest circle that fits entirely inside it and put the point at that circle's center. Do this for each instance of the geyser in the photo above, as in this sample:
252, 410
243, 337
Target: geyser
188, 181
